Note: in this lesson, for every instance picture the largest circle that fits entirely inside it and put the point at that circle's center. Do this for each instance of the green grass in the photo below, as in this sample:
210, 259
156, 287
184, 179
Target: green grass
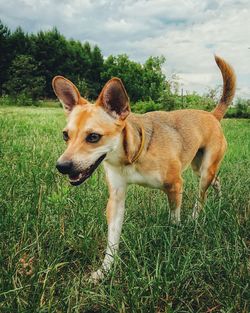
200, 266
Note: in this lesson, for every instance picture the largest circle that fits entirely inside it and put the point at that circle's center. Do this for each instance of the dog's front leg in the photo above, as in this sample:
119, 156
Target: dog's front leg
115, 215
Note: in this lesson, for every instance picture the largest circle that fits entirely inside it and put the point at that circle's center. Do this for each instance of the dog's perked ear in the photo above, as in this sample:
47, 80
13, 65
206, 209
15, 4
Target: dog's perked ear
67, 93
114, 99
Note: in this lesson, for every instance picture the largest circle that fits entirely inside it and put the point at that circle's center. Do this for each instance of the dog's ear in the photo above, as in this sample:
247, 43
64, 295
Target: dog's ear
114, 99
67, 93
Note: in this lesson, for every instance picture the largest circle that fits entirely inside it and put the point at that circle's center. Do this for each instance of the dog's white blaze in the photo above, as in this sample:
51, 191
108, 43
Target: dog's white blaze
97, 124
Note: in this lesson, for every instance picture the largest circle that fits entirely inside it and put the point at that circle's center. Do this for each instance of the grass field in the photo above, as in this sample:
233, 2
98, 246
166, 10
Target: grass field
53, 235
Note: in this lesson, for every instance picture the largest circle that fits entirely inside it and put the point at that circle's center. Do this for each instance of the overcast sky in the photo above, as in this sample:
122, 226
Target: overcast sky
187, 33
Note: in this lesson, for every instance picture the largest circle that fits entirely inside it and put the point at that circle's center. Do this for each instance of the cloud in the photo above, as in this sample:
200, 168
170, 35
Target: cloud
187, 33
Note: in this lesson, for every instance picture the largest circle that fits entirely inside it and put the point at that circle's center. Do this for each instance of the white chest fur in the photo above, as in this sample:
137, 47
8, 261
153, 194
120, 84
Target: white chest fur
131, 175
151, 179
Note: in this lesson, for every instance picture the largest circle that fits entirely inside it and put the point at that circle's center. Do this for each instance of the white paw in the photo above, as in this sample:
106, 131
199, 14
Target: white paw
96, 276
175, 218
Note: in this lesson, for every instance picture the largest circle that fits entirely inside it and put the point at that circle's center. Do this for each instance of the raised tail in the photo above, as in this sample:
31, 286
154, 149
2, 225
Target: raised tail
229, 86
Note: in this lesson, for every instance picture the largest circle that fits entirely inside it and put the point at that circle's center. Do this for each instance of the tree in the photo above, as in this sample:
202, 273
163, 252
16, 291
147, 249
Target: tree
20, 43
79, 61
143, 82
242, 107
154, 81
51, 51
96, 68
4, 53
130, 72
24, 78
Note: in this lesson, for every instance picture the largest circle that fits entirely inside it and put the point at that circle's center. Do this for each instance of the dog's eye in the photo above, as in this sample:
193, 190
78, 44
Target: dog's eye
93, 138
65, 135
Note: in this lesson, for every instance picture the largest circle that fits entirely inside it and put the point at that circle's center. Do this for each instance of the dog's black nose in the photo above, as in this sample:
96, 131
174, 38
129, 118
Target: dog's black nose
64, 167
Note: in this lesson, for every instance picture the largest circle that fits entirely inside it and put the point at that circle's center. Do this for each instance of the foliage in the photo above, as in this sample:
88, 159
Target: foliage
7, 100
242, 107
54, 55
146, 106
142, 82
129, 71
24, 78
154, 81
5, 50
83, 87
53, 235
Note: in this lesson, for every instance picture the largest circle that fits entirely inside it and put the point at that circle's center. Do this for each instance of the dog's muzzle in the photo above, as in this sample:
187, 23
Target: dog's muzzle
77, 177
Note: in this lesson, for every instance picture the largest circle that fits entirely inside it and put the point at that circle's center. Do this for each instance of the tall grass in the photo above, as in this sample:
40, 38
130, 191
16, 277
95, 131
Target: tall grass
53, 235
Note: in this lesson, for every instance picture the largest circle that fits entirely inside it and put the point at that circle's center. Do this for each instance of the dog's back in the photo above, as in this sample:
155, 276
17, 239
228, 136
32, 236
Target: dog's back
180, 134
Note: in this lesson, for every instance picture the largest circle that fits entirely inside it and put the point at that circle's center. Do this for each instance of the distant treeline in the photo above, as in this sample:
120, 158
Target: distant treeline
28, 63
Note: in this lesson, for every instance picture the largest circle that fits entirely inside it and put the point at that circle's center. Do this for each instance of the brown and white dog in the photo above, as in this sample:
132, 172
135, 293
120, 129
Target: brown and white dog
151, 149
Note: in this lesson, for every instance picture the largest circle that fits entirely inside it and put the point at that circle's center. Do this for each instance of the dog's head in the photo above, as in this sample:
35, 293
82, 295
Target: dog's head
93, 130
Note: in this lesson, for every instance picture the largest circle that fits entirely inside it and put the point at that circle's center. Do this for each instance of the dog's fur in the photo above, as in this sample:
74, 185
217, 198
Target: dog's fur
152, 149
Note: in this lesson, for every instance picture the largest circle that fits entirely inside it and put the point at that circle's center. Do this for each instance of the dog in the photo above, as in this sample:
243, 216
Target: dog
151, 149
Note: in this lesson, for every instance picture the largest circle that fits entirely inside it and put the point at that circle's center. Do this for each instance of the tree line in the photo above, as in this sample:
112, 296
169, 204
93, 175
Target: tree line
30, 61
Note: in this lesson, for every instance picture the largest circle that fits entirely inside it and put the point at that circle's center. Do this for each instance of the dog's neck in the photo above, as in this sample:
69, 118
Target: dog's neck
131, 145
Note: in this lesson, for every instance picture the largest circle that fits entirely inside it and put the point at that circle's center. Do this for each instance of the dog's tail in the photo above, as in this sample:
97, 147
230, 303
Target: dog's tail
229, 86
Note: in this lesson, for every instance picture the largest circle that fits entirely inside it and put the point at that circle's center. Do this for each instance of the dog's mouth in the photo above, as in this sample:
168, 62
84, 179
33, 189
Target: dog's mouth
78, 178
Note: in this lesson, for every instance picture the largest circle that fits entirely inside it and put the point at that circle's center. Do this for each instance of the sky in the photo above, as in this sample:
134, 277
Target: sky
188, 33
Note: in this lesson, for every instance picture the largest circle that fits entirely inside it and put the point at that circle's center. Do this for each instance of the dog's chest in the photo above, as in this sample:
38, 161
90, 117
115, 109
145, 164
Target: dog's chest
134, 176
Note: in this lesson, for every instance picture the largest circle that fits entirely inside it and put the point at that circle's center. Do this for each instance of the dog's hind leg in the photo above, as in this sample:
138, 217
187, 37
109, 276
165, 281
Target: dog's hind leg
197, 161
196, 166
208, 168
115, 216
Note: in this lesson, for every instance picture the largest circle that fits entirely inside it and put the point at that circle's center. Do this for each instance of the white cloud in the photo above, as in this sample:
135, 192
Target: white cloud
121, 25
187, 32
